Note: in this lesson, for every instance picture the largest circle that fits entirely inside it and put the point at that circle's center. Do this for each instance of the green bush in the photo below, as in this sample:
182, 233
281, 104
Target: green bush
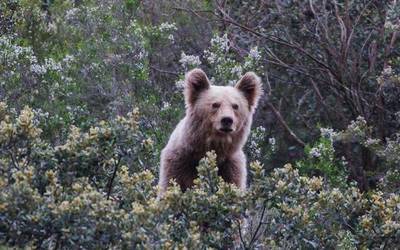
97, 190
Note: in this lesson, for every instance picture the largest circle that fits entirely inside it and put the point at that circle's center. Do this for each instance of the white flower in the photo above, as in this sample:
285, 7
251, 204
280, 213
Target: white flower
387, 71
221, 42
357, 125
50, 64
38, 69
237, 70
328, 133
344, 161
70, 14
68, 59
261, 129
315, 152
272, 141
165, 106
254, 53
189, 60
211, 58
142, 54
33, 60
51, 27
167, 27
371, 142
180, 84
391, 26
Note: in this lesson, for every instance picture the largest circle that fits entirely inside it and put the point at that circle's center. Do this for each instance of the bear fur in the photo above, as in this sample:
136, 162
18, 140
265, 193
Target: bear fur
217, 118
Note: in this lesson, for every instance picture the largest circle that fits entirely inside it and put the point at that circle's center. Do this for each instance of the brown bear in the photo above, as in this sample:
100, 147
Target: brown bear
217, 118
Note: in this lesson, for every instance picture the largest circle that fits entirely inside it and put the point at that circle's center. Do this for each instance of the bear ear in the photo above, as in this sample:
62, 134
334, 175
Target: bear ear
250, 86
196, 81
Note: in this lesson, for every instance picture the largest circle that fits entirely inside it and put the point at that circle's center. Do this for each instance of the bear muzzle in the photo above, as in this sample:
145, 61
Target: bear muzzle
226, 124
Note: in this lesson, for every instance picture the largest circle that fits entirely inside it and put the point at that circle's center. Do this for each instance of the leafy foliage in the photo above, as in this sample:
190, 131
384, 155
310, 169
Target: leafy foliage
93, 192
90, 91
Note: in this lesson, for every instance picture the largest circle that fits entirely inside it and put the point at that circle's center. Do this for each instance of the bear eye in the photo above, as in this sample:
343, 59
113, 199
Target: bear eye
216, 105
235, 106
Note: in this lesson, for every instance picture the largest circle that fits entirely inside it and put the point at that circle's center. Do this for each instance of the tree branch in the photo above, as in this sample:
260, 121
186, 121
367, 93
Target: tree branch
284, 124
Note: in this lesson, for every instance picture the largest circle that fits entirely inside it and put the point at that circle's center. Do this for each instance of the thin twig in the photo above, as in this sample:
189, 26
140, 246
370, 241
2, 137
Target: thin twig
254, 237
164, 71
284, 124
240, 236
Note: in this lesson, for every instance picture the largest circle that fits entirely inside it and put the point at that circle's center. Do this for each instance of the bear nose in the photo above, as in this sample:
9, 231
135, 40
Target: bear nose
226, 121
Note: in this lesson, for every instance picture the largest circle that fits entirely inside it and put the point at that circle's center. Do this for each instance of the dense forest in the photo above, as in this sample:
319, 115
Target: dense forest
91, 90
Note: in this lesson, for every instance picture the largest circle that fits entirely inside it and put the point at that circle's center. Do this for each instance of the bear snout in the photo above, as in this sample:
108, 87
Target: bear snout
226, 123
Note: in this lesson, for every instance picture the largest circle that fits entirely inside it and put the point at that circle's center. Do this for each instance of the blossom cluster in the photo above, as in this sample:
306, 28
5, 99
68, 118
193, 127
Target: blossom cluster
392, 22
226, 68
189, 61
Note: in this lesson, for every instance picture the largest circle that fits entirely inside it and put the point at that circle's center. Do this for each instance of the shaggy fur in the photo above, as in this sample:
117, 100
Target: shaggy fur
201, 130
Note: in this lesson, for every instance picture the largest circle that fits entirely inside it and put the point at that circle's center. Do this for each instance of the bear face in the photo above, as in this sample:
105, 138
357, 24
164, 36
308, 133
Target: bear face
224, 108
221, 110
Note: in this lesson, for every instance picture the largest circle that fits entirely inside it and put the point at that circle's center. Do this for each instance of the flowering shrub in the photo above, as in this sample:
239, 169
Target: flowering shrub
388, 150
79, 162
97, 189
320, 159
226, 69
89, 68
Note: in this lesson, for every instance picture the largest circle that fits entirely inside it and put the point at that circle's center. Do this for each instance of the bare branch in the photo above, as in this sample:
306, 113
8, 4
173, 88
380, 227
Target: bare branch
284, 124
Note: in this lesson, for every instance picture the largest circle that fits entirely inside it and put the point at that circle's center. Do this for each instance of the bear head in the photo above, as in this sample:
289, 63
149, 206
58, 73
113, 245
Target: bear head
222, 110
